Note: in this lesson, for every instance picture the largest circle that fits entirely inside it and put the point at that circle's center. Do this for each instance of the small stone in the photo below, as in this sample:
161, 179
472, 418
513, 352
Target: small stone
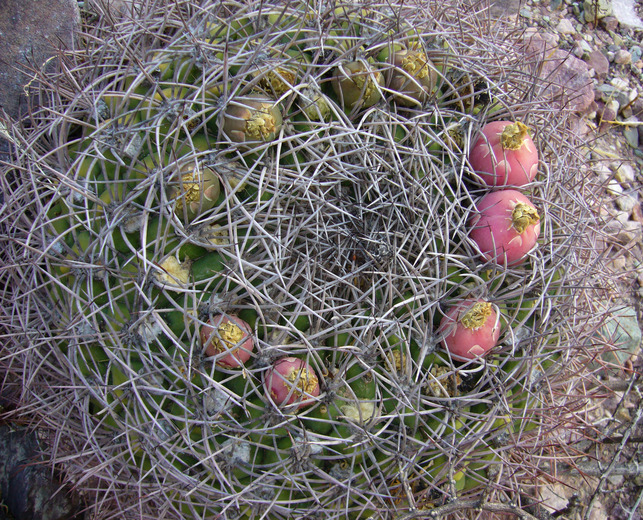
614, 188
609, 23
622, 57
602, 171
637, 213
613, 105
555, 5
623, 332
618, 42
597, 61
625, 174
636, 52
631, 133
596, 9
619, 263
606, 116
627, 203
620, 83
625, 232
526, 13
565, 26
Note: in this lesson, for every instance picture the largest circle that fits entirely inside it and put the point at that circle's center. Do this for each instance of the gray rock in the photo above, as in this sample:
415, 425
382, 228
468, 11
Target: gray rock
627, 202
623, 332
625, 13
636, 53
594, 10
610, 93
526, 13
31, 33
28, 491
631, 133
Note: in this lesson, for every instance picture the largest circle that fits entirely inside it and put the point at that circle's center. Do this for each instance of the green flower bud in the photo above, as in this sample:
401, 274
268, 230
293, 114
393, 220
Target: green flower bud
413, 77
251, 119
195, 191
356, 84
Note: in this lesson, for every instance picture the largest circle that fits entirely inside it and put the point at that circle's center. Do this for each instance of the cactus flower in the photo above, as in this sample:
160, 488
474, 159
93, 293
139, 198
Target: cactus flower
412, 77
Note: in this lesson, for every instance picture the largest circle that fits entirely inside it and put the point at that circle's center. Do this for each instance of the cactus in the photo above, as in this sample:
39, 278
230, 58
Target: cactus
281, 167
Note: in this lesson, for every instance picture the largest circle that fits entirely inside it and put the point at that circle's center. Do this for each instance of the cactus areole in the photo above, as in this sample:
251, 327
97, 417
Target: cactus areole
472, 329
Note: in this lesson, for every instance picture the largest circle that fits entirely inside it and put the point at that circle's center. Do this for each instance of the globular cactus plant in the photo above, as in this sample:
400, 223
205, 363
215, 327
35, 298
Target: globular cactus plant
246, 224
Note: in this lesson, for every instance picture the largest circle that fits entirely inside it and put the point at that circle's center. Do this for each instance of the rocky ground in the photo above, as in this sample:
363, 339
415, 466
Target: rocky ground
595, 47
602, 48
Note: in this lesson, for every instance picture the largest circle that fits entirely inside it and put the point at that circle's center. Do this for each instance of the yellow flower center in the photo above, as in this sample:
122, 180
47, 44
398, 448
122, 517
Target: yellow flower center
230, 335
523, 215
477, 315
261, 125
513, 136
278, 80
303, 380
415, 63
364, 83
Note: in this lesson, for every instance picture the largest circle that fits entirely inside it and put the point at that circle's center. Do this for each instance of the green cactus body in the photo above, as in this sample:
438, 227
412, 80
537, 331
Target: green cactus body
257, 161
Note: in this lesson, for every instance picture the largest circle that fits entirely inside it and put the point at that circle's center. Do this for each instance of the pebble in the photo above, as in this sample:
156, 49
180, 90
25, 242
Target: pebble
622, 229
596, 9
622, 57
599, 62
627, 203
636, 53
625, 332
625, 173
609, 23
565, 26
583, 50
613, 107
619, 83
631, 133
614, 188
